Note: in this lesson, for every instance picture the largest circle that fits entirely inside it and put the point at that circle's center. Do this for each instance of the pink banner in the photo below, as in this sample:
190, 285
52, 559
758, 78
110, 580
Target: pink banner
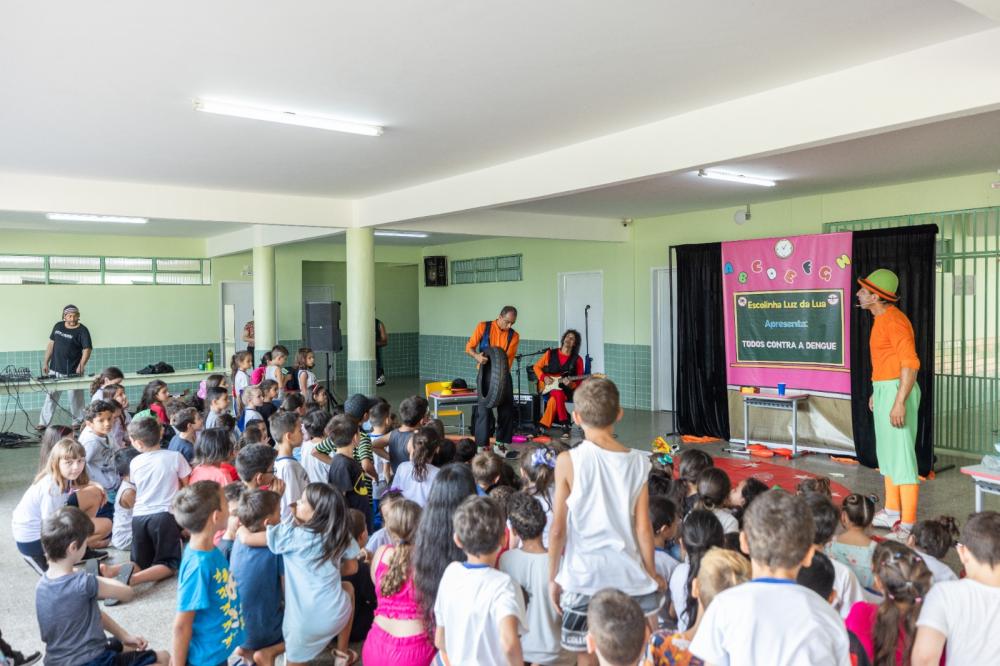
787, 308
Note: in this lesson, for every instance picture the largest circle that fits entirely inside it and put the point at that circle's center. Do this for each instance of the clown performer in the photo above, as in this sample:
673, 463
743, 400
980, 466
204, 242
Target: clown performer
894, 402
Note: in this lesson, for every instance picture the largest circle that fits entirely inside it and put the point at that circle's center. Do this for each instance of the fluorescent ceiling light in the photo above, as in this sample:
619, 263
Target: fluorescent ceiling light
736, 178
286, 117
402, 234
77, 217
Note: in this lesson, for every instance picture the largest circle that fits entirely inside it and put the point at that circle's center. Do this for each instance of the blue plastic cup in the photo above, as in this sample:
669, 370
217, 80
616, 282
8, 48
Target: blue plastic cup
781, 388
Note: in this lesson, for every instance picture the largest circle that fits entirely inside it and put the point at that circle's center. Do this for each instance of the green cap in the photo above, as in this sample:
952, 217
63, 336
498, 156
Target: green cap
882, 282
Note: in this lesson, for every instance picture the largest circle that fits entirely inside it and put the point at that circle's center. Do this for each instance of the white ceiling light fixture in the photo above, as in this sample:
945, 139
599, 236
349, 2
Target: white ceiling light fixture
736, 178
79, 217
287, 117
402, 234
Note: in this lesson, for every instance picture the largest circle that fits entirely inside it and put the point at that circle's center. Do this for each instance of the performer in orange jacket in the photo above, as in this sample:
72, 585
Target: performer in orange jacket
562, 362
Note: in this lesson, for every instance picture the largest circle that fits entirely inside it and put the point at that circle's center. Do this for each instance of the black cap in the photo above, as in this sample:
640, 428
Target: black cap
358, 404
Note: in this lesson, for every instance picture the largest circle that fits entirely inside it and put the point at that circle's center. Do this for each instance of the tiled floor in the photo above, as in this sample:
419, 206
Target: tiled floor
152, 612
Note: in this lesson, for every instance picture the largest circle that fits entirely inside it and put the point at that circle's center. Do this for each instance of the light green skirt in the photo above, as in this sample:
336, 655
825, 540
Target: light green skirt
896, 447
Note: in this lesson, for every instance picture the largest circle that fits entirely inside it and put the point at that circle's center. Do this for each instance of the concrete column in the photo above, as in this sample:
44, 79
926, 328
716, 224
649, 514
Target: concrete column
265, 335
361, 311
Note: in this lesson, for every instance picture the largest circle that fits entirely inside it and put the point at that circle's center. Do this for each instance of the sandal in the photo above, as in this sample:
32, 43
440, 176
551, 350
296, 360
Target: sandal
344, 658
124, 576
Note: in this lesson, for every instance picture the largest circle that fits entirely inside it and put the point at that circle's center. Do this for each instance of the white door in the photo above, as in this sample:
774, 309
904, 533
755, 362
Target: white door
581, 306
237, 310
664, 342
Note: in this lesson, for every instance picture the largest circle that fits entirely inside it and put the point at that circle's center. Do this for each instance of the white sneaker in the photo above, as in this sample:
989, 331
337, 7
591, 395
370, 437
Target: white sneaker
899, 533
884, 520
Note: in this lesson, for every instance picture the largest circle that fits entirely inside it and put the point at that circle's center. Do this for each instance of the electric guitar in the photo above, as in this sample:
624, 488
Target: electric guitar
553, 382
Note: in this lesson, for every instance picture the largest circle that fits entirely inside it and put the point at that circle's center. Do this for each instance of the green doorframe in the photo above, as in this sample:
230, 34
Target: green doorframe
967, 295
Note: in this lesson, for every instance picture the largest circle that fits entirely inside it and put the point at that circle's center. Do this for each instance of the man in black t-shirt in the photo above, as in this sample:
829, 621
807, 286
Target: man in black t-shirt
67, 353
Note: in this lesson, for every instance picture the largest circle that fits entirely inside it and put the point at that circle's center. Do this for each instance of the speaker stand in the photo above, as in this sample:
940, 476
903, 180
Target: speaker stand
331, 378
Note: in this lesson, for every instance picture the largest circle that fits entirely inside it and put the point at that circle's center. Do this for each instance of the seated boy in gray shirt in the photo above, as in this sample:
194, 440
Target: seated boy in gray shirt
69, 621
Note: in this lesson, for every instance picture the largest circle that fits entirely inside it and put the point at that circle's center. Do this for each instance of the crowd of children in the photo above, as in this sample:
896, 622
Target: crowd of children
595, 554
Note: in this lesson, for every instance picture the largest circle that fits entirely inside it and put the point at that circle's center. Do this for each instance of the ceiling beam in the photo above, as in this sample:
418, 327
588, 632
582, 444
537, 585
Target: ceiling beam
30, 192
946, 80
521, 225
988, 8
241, 240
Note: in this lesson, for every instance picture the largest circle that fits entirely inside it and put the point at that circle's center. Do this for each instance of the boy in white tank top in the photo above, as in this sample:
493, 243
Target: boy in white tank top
601, 534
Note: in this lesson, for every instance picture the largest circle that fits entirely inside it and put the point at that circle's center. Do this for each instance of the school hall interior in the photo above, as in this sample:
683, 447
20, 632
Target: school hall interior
546, 156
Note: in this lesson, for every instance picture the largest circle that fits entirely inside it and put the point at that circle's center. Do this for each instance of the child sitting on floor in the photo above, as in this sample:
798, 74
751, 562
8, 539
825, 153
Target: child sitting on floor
663, 515
382, 537
209, 622
69, 621
415, 476
158, 475
486, 470
932, 539
212, 451
853, 546
739, 626
826, 518
187, 423
720, 570
252, 399
538, 471
361, 581
963, 614
693, 463
529, 566
887, 630
700, 531
101, 467
259, 574
713, 491
616, 633
478, 610
217, 399
121, 529
601, 498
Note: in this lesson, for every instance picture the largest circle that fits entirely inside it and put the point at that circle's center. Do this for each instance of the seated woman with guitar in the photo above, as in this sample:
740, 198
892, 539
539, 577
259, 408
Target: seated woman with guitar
559, 371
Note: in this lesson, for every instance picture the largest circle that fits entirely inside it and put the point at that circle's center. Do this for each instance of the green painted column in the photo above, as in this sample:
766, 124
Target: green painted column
361, 311
265, 335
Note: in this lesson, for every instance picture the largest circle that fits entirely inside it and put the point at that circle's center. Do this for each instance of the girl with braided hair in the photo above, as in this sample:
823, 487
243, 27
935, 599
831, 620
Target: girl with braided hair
538, 470
399, 634
887, 630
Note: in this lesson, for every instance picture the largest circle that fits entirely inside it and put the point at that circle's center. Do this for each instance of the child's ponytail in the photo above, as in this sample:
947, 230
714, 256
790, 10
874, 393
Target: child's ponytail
701, 531
539, 468
424, 443
401, 522
905, 579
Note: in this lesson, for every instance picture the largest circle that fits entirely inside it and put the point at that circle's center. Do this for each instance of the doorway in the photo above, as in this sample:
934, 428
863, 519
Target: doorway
581, 306
237, 310
664, 339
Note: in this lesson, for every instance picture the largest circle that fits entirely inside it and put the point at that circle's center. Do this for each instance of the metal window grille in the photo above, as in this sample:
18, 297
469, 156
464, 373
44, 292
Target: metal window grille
505, 268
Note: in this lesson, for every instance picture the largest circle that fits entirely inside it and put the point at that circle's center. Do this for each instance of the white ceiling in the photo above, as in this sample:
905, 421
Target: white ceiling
104, 90
947, 148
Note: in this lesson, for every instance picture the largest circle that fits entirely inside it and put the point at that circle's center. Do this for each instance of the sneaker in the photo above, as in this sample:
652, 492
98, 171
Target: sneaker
92, 554
884, 520
380, 380
18, 659
504, 451
899, 533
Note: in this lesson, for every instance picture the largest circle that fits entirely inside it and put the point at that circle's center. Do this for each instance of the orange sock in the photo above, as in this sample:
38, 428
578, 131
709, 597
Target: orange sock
892, 498
909, 494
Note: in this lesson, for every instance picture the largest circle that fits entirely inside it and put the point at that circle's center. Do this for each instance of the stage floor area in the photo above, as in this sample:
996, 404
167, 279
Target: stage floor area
151, 613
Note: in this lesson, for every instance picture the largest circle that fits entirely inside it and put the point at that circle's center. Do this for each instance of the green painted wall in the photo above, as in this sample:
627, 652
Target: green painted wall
117, 315
396, 299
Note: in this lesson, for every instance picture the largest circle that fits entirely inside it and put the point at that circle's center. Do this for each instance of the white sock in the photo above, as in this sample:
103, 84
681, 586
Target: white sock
891, 512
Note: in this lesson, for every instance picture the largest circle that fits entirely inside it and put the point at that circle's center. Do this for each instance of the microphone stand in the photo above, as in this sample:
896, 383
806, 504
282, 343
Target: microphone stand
518, 358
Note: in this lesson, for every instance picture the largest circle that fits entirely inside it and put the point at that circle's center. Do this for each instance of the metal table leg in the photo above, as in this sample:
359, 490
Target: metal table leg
746, 424
795, 428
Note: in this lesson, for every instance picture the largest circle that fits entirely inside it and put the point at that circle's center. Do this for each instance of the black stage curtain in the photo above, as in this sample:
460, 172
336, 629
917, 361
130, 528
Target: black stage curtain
909, 253
701, 400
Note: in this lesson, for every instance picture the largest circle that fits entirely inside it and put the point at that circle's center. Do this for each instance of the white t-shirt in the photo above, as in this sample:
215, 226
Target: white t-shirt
40, 500
729, 523
379, 538
547, 503
121, 526
249, 415
156, 475
601, 548
241, 380
771, 621
273, 372
413, 490
967, 612
471, 601
541, 644
940, 572
317, 470
677, 584
847, 587
289, 470
665, 564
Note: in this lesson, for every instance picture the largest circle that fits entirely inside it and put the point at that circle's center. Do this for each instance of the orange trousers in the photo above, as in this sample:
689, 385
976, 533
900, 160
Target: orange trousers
555, 408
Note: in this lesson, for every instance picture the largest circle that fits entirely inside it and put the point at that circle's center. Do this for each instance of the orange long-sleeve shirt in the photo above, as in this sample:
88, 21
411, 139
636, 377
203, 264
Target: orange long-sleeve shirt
892, 345
543, 363
498, 338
